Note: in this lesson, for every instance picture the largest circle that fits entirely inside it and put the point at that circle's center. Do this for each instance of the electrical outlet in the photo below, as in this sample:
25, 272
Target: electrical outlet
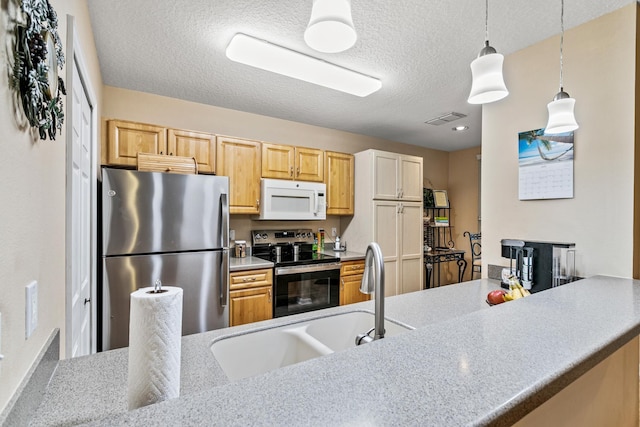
334, 232
232, 234
31, 308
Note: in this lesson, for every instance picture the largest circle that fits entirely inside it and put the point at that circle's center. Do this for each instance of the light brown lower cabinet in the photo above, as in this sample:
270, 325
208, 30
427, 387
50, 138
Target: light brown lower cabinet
250, 296
350, 279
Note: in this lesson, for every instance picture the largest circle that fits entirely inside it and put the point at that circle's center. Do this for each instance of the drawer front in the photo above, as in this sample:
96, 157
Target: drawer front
250, 279
352, 267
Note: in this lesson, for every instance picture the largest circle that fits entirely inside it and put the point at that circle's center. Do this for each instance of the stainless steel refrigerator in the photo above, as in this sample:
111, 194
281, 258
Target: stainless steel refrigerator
168, 227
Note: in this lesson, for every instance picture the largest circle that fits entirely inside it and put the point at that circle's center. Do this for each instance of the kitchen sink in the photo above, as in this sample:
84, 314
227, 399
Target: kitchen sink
259, 351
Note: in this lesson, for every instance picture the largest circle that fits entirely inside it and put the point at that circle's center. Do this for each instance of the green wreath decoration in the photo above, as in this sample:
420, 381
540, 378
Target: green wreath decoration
37, 53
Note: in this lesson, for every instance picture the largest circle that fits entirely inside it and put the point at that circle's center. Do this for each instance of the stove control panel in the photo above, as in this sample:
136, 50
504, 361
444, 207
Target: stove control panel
279, 237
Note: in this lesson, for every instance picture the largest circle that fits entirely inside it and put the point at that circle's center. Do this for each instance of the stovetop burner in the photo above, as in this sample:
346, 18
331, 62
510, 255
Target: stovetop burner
287, 247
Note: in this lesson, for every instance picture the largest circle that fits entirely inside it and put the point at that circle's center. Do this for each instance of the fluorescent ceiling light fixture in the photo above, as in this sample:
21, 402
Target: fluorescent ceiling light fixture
277, 59
330, 28
460, 128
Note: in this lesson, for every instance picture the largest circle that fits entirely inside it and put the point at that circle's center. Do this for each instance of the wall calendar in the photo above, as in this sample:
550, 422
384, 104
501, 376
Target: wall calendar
545, 165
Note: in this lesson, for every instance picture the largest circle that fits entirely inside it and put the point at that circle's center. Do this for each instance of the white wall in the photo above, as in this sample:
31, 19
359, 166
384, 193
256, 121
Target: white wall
32, 214
599, 72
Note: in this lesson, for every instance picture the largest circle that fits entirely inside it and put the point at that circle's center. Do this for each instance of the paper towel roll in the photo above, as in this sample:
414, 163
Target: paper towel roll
155, 330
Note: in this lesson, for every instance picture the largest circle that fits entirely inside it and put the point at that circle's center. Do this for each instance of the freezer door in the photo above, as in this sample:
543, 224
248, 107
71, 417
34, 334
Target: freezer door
151, 212
202, 276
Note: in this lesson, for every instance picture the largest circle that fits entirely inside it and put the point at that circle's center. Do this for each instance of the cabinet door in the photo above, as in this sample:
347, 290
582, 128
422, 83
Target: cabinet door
309, 164
339, 178
410, 178
350, 290
385, 175
277, 161
201, 146
385, 232
126, 139
411, 247
239, 159
250, 305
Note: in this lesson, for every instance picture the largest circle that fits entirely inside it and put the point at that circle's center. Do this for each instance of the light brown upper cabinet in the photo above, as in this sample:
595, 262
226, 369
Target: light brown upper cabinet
339, 169
126, 139
201, 146
288, 162
239, 159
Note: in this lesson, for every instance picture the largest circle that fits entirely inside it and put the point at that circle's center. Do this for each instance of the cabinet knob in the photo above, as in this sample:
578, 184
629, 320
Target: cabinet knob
269, 295
342, 284
291, 171
258, 203
298, 171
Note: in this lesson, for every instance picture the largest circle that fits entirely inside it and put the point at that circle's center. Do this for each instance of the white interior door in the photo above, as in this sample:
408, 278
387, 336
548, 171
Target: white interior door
81, 139
80, 262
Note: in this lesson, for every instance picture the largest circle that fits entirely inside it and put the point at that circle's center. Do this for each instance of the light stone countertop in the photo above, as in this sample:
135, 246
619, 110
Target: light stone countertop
248, 263
442, 373
344, 255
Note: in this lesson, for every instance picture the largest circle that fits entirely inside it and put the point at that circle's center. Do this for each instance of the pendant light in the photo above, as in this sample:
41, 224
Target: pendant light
486, 70
330, 28
561, 117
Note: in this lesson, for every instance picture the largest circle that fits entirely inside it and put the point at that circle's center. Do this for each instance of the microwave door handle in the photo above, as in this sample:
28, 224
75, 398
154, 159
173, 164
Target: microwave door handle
315, 197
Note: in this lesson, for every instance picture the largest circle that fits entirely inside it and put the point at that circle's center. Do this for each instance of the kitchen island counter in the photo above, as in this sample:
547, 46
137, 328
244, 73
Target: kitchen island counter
443, 373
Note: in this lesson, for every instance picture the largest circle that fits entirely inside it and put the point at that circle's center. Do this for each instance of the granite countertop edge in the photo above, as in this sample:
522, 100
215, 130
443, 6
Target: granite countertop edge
547, 387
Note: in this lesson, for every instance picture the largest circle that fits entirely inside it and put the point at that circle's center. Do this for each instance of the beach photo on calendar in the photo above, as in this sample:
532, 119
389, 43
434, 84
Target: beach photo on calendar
536, 147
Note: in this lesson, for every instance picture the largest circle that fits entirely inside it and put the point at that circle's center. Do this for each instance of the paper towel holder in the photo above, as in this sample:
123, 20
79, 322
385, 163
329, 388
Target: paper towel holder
157, 288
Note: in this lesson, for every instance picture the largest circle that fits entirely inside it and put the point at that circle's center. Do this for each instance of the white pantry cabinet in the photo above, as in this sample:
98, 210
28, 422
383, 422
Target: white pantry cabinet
385, 214
396, 176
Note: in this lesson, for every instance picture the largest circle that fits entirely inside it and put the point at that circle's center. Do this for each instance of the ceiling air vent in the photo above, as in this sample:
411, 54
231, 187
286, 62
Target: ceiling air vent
445, 118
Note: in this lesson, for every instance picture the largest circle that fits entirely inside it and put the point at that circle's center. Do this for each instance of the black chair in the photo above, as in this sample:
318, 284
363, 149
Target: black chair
476, 252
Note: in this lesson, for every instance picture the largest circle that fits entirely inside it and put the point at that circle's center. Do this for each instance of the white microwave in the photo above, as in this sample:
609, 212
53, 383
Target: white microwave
292, 200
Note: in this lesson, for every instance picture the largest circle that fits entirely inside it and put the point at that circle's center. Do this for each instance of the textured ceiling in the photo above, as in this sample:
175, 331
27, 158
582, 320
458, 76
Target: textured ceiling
420, 49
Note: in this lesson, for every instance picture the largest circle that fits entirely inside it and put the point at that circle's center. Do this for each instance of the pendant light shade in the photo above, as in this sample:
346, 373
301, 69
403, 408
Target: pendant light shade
330, 28
487, 83
561, 117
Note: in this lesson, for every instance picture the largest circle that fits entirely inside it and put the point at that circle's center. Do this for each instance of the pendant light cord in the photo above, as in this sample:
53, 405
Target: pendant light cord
486, 22
561, 40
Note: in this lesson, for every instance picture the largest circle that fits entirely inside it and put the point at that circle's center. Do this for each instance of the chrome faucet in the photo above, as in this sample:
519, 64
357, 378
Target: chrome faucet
373, 281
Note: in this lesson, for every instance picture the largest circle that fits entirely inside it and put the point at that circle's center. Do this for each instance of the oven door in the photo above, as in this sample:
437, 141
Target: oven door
306, 288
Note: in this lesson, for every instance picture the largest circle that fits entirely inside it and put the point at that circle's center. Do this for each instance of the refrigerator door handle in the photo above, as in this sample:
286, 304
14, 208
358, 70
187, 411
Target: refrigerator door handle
224, 278
224, 224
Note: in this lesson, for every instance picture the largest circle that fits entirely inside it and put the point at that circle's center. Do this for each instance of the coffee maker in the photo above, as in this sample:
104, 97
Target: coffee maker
540, 265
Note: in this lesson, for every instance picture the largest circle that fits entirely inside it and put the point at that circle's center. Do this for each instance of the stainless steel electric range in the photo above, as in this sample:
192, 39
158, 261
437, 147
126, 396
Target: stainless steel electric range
304, 280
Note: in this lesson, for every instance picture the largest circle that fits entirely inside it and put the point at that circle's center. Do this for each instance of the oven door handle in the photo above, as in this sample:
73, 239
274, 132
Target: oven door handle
280, 271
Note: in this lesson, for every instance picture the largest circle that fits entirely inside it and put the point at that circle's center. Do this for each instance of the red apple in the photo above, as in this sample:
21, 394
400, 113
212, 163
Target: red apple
496, 297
